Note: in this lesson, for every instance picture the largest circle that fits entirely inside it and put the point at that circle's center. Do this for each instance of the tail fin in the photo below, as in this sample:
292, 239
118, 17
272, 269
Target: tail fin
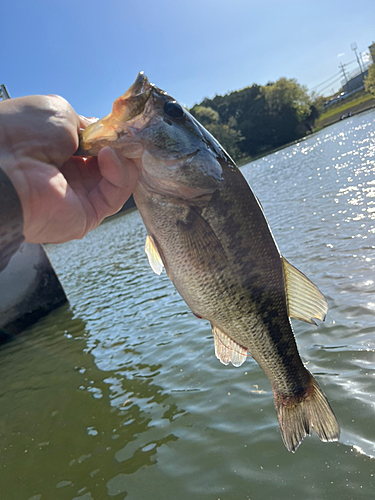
298, 416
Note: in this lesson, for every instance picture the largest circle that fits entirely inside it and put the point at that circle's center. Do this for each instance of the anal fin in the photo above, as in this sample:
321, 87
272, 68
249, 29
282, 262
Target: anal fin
227, 350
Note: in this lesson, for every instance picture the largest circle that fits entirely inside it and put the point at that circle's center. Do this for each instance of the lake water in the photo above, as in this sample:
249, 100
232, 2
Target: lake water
119, 395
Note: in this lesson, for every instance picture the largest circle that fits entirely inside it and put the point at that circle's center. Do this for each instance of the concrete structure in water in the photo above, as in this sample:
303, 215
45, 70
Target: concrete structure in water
29, 289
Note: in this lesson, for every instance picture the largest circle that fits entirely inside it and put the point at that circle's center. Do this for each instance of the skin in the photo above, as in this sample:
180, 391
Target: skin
62, 197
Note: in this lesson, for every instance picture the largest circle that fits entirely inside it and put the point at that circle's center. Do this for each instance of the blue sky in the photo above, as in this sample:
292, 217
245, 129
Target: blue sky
90, 52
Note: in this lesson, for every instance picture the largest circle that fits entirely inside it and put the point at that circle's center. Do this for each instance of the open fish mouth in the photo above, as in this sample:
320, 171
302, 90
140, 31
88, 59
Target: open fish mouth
140, 86
127, 107
133, 102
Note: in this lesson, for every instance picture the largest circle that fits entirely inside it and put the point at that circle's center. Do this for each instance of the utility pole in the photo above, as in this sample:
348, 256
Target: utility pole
342, 67
353, 46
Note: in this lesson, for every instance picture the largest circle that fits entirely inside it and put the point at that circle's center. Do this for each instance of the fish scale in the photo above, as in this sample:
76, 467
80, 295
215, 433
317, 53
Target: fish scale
208, 230
255, 320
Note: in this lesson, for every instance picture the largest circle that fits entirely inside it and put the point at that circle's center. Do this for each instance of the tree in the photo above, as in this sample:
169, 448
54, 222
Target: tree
205, 115
287, 93
225, 133
228, 137
370, 80
257, 119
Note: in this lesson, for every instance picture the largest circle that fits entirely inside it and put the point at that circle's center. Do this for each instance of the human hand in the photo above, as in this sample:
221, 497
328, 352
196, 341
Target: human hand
62, 197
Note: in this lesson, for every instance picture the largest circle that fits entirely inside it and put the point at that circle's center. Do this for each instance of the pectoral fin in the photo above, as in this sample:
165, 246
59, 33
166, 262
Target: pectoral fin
200, 241
304, 299
153, 255
227, 350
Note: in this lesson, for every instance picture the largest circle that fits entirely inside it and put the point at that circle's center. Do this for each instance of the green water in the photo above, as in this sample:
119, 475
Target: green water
120, 395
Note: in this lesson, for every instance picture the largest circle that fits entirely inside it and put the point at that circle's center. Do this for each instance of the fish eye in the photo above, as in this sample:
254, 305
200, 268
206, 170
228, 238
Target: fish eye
173, 109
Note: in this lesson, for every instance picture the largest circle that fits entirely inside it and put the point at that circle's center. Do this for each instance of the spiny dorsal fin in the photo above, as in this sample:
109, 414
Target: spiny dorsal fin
304, 299
227, 350
153, 255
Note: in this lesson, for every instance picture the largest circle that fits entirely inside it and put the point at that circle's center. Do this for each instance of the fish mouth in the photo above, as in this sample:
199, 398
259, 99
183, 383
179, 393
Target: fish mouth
140, 86
127, 107
133, 102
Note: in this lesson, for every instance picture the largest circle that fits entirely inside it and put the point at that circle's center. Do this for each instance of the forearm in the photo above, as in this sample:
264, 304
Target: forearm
11, 220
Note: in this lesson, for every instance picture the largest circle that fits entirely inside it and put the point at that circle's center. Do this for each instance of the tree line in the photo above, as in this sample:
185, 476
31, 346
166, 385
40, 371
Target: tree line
370, 80
258, 118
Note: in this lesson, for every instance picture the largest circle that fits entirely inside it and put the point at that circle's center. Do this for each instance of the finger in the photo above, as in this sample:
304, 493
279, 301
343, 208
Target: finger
42, 128
120, 176
82, 174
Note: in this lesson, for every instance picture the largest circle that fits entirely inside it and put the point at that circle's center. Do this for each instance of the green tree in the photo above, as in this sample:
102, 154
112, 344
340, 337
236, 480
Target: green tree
225, 133
318, 102
228, 137
370, 80
205, 115
287, 93
257, 119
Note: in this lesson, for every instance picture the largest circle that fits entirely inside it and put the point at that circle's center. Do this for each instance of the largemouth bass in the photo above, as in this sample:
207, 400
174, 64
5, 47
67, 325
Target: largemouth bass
209, 232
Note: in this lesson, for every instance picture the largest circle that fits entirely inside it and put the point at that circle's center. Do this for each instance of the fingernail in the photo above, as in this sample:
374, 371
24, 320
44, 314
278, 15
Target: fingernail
88, 119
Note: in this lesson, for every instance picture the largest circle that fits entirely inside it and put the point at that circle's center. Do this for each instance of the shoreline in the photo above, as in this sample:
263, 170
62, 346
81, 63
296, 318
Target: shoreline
354, 110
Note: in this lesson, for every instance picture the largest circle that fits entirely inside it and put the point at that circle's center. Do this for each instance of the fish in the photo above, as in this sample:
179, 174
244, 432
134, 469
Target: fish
208, 230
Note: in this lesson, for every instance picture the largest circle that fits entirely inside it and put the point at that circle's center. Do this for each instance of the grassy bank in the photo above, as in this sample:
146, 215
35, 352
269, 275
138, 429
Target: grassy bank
355, 105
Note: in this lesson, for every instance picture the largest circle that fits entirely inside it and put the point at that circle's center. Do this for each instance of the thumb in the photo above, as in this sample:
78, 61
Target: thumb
120, 176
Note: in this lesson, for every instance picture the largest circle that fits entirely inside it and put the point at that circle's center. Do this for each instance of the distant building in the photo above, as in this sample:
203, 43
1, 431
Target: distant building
355, 83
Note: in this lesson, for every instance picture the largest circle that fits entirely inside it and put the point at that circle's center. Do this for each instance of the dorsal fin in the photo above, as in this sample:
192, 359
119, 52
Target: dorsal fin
227, 350
153, 255
304, 299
